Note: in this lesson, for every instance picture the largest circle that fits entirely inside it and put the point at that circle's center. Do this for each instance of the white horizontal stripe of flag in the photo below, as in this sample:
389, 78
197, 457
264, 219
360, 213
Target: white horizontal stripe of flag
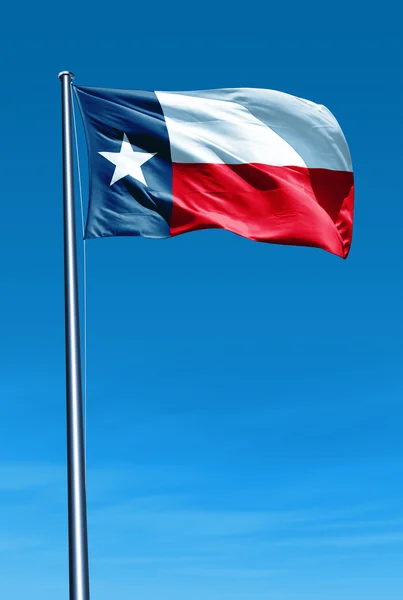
252, 126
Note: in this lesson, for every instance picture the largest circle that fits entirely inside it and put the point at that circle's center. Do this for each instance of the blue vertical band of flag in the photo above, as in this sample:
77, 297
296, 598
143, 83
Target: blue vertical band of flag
127, 207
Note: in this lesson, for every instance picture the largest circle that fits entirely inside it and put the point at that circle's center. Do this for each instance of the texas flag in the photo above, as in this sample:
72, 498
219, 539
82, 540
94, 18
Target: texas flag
265, 165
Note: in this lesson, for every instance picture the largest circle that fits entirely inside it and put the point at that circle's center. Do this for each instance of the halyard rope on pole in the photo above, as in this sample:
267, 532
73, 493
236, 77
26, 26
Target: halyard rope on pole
80, 189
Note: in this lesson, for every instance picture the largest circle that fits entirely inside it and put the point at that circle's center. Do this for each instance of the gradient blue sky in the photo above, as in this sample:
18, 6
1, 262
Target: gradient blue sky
244, 400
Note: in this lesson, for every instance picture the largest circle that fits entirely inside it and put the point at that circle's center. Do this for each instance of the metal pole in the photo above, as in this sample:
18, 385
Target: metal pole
78, 543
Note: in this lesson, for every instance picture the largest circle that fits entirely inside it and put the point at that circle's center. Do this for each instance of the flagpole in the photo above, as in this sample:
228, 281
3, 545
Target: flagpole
77, 508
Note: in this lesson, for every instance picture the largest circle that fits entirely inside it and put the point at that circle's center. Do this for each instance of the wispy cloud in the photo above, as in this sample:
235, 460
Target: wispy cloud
227, 573
351, 541
11, 543
23, 476
176, 532
168, 513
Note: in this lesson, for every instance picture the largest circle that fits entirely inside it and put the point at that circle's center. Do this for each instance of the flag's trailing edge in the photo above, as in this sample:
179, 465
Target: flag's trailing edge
263, 164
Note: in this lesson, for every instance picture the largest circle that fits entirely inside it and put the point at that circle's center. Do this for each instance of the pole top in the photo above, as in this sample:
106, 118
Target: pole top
63, 73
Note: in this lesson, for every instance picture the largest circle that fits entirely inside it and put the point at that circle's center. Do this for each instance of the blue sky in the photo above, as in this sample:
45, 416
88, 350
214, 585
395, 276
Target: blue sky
244, 400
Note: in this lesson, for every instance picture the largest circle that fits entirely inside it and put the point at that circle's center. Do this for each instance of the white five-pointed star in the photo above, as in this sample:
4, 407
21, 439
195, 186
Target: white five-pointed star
127, 162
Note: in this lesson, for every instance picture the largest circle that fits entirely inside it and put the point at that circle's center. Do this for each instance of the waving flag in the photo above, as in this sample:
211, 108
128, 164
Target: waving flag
263, 164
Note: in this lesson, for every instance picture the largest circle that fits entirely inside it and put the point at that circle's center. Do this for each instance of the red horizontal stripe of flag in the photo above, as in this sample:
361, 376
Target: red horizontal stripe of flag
284, 205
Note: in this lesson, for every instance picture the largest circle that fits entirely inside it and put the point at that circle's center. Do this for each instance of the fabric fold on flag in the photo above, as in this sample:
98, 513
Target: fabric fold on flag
263, 164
